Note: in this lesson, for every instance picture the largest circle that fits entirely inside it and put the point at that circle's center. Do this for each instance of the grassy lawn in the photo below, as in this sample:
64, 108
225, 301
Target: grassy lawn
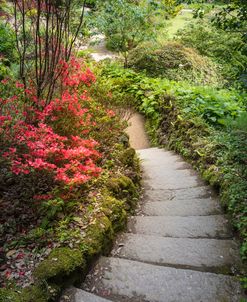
172, 26
179, 22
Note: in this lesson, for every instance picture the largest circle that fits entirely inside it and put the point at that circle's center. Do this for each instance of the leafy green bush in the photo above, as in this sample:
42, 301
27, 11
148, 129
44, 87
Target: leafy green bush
7, 42
124, 24
223, 47
216, 107
174, 61
8, 53
91, 3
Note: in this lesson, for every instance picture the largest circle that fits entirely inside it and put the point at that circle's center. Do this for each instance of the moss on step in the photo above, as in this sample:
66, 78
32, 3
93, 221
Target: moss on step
127, 157
33, 293
61, 261
99, 236
114, 209
8, 295
122, 187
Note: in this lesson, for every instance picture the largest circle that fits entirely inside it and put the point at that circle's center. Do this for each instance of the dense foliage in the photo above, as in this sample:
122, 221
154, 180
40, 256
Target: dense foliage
64, 159
174, 61
125, 24
8, 54
68, 175
225, 48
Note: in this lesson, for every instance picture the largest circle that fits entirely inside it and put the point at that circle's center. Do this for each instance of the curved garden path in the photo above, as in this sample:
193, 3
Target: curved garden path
179, 246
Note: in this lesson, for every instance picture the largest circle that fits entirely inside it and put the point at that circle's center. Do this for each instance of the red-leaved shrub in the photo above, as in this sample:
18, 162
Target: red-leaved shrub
35, 135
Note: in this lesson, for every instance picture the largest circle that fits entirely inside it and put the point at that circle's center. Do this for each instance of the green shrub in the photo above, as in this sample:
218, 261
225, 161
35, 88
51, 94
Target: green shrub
8, 53
174, 61
223, 47
7, 42
125, 24
150, 94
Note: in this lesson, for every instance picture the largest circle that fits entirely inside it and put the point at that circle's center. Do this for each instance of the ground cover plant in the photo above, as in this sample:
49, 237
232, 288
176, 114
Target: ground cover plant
226, 49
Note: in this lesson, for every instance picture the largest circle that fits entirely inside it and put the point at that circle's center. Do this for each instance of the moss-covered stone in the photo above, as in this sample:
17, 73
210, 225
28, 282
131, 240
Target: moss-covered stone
61, 261
127, 157
99, 236
32, 293
122, 187
115, 210
7, 295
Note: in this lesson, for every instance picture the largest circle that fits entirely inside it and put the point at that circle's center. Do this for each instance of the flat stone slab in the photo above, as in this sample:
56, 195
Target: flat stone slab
203, 254
180, 179
214, 226
152, 154
78, 295
179, 194
132, 281
166, 170
191, 207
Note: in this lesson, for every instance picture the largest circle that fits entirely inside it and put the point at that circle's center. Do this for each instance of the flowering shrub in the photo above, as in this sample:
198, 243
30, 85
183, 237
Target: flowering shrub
51, 137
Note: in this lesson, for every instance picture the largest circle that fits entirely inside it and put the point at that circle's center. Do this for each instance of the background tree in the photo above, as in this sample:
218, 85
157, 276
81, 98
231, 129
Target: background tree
233, 17
44, 37
125, 24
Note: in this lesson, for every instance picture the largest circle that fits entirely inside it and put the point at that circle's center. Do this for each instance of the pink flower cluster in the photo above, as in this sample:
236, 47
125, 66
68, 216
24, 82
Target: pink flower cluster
42, 139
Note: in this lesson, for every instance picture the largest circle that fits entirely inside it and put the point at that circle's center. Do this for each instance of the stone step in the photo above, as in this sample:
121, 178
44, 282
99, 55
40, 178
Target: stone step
73, 294
179, 194
154, 157
188, 207
132, 281
166, 170
151, 153
211, 255
167, 180
215, 226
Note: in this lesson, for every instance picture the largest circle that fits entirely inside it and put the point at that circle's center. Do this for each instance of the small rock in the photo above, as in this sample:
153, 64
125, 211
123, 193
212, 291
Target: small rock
3, 267
10, 253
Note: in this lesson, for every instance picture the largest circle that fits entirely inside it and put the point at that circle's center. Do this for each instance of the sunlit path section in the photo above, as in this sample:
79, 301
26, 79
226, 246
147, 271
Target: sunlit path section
136, 131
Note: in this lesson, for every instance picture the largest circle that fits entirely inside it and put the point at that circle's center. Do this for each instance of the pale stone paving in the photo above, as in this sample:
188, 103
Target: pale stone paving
178, 248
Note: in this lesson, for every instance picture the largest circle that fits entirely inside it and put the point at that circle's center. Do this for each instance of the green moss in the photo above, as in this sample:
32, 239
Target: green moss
99, 236
7, 295
213, 176
61, 261
115, 210
34, 294
30, 294
127, 157
122, 187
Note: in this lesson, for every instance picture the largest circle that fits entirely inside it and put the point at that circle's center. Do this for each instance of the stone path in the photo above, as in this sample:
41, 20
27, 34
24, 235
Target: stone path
178, 248
136, 131
98, 48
